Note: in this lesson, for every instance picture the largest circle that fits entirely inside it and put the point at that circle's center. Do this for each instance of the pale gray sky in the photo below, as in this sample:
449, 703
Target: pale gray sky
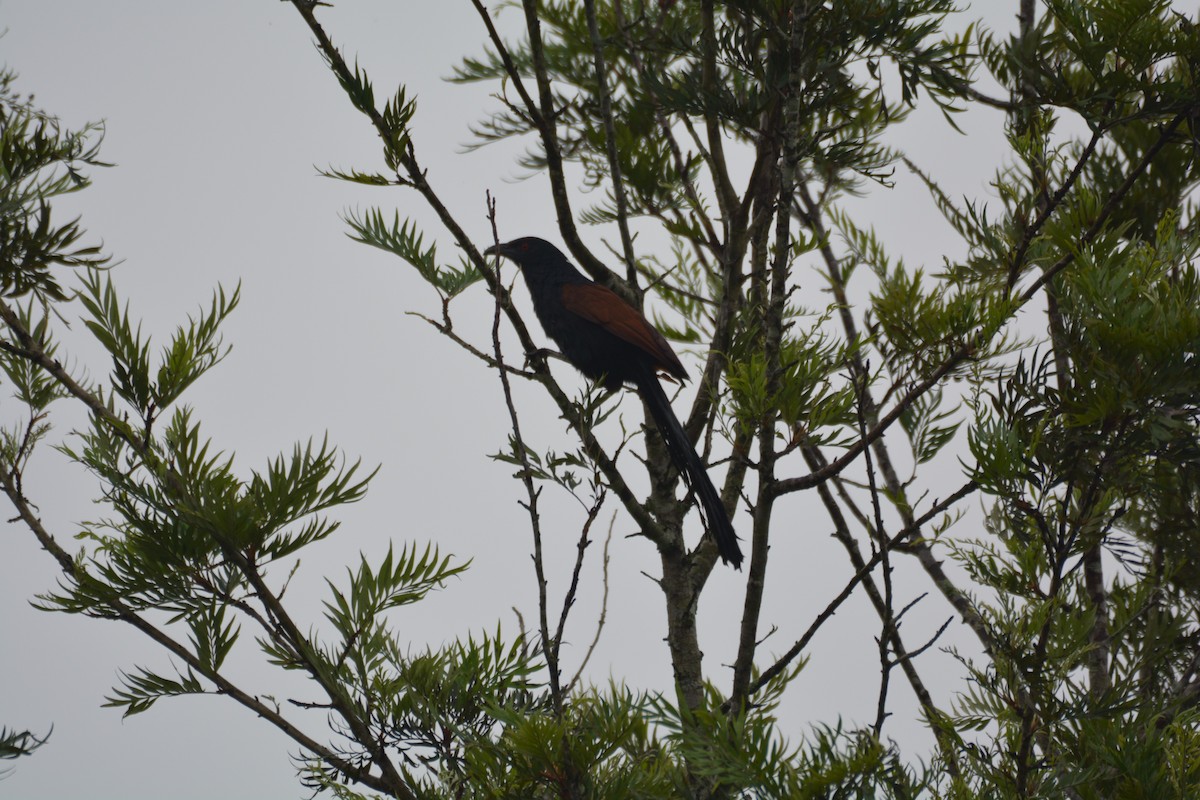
216, 114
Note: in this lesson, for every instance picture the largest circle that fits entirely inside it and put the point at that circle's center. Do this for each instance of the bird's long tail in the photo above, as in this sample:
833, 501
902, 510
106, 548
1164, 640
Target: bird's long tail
693, 470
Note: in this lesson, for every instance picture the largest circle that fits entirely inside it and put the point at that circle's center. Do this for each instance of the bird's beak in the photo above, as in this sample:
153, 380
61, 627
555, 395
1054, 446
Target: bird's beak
495, 250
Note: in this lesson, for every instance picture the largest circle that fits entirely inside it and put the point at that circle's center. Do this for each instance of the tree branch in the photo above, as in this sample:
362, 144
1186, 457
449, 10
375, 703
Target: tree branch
122, 613
610, 142
904, 534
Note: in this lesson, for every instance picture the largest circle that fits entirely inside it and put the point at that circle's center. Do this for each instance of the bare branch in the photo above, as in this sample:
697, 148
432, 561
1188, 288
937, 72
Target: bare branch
610, 142
603, 611
532, 493
907, 532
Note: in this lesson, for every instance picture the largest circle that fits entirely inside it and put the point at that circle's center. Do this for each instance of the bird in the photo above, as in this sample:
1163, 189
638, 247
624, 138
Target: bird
612, 343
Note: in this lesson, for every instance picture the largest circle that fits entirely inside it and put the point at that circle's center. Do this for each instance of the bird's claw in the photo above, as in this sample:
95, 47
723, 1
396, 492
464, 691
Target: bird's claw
538, 359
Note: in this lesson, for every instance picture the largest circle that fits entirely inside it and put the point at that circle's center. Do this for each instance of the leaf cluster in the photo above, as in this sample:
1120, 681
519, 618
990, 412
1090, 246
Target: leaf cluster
40, 160
403, 239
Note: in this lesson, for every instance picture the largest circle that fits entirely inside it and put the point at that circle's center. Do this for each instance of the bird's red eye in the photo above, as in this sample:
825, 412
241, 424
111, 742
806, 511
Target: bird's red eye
525, 246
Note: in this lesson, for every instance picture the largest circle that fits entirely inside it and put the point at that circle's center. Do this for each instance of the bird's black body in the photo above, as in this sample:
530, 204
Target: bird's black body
609, 341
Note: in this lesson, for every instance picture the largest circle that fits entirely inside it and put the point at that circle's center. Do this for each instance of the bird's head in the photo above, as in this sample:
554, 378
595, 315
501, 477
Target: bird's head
528, 251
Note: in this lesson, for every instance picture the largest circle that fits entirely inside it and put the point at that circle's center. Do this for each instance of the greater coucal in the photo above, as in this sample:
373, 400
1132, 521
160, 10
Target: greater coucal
610, 341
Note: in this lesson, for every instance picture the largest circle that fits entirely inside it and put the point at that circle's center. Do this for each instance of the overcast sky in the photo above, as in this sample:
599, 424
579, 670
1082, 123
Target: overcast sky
217, 114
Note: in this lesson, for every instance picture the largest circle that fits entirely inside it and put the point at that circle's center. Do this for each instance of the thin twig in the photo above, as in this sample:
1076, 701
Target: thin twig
603, 611
610, 141
1051, 205
908, 531
573, 589
904, 658
448, 331
532, 492
886, 612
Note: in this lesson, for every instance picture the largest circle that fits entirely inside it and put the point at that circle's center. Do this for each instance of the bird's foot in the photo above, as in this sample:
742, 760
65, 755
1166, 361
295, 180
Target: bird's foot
537, 359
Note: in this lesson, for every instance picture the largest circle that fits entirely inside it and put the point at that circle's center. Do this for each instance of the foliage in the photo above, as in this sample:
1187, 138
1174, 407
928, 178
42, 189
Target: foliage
1054, 366
14, 744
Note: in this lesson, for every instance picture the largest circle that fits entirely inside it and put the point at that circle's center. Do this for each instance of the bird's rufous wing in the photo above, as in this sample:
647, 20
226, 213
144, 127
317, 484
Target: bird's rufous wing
605, 308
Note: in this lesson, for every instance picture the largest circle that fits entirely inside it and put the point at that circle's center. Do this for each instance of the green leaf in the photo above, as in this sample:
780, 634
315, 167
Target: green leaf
141, 689
402, 238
